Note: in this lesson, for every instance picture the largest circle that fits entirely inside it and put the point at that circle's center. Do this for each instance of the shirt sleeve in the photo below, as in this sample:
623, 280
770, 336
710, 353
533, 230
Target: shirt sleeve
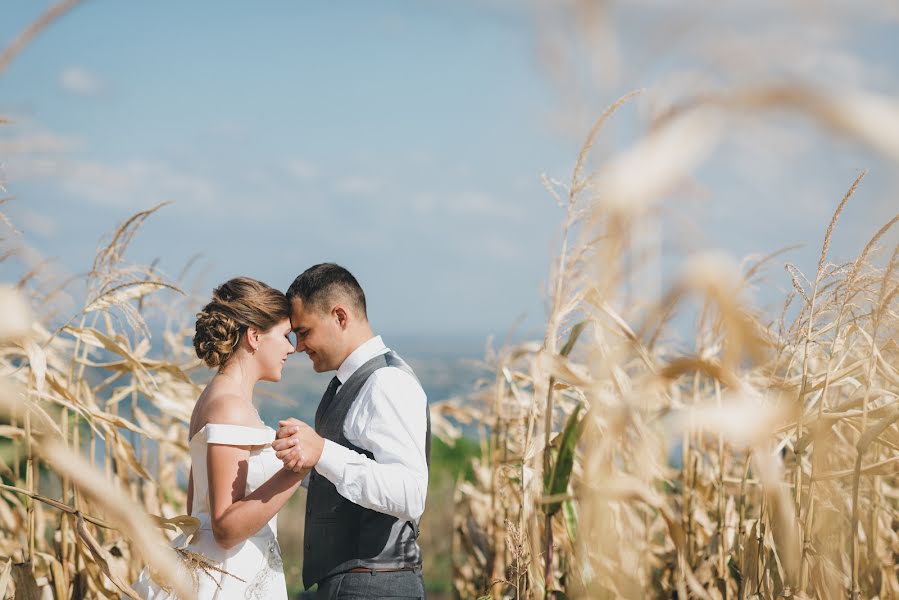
389, 420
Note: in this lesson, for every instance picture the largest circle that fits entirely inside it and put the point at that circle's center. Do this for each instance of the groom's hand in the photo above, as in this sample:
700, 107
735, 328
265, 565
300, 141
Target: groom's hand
297, 445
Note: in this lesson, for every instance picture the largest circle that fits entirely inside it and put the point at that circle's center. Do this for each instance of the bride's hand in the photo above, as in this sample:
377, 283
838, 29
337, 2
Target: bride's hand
287, 447
297, 445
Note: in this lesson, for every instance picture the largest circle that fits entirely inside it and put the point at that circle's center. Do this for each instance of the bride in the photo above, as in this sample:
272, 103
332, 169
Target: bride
237, 485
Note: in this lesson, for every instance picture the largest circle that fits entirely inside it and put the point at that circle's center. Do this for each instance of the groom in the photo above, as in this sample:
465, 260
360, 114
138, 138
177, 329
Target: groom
370, 447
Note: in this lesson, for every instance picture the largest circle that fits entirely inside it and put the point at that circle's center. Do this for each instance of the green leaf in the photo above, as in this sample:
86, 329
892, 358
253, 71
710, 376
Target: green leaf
549, 469
572, 338
561, 471
734, 570
569, 512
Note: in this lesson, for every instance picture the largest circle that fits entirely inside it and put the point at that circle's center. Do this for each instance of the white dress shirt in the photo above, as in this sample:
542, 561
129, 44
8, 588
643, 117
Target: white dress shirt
387, 419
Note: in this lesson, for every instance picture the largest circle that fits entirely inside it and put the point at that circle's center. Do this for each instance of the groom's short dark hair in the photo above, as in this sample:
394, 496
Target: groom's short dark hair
321, 285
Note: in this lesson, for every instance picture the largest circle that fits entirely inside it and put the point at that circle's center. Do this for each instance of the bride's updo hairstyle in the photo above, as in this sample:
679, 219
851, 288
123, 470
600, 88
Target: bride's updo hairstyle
237, 304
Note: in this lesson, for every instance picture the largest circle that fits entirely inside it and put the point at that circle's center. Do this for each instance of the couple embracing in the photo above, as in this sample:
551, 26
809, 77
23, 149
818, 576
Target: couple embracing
365, 461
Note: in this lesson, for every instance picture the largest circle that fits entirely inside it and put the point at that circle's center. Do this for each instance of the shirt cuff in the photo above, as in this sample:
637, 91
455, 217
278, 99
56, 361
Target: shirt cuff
330, 463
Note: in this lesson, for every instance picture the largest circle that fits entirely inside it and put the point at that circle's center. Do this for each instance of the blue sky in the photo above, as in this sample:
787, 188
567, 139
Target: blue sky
406, 140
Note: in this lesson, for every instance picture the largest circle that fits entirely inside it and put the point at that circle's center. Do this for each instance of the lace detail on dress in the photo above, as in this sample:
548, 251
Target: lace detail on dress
259, 587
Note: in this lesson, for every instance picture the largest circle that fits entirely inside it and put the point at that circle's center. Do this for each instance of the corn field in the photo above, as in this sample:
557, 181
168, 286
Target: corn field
760, 461
96, 428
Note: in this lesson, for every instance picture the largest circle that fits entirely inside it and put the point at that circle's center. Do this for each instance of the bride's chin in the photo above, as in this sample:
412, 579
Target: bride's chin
273, 377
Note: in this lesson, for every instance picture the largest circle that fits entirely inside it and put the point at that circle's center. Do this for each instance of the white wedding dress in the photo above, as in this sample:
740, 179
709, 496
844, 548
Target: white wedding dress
252, 569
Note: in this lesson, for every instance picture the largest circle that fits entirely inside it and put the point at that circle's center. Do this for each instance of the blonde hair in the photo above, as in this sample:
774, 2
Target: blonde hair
236, 305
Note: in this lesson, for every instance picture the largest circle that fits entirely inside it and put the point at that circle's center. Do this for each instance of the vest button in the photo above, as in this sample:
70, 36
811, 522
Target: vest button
307, 546
308, 511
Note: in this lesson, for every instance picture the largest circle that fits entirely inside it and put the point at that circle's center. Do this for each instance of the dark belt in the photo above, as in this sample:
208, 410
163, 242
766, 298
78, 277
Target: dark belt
367, 570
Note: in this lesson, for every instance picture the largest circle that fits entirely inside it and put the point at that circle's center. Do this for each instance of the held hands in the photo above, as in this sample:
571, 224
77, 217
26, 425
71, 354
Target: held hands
297, 445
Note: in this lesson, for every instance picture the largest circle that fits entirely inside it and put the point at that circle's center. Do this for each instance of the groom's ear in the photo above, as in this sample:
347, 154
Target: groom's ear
341, 315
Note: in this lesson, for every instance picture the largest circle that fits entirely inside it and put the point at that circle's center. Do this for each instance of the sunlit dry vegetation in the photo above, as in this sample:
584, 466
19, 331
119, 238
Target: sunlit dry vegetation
761, 459
89, 384
760, 462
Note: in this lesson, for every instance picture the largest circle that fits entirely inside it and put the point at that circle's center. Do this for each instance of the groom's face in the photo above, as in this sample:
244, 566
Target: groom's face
317, 334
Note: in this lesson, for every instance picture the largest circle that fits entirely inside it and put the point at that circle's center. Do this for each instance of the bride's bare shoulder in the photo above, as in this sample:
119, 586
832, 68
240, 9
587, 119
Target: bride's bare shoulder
230, 409
225, 407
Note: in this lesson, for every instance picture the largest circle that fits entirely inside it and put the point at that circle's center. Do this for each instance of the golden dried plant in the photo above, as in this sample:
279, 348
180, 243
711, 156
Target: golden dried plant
760, 463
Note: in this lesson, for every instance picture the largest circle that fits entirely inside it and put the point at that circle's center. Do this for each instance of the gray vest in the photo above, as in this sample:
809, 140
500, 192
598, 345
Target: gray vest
339, 534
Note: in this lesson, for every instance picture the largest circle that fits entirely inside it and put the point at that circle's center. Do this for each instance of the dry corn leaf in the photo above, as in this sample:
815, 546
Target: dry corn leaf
118, 507
631, 182
25, 582
16, 320
102, 558
125, 293
5, 576
38, 361
187, 524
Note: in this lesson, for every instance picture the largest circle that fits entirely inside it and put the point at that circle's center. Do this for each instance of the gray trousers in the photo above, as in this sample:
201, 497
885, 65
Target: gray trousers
356, 586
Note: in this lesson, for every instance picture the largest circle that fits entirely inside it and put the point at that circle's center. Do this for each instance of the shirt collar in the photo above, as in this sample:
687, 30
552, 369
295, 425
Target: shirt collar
359, 357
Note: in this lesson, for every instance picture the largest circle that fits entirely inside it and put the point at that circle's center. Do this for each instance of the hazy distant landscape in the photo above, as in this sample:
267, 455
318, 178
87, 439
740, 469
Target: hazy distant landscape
446, 367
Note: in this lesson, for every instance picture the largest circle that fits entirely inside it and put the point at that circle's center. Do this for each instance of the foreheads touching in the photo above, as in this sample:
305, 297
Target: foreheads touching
238, 305
326, 285
327, 315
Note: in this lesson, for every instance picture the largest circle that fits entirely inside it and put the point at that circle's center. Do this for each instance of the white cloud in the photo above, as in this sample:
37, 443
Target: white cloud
38, 224
480, 204
498, 247
302, 169
471, 206
32, 152
812, 52
79, 81
357, 185
424, 204
229, 130
37, 142
136, 182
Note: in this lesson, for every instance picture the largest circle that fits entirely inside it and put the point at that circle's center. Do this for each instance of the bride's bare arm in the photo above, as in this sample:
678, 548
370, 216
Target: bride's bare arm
235, 516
